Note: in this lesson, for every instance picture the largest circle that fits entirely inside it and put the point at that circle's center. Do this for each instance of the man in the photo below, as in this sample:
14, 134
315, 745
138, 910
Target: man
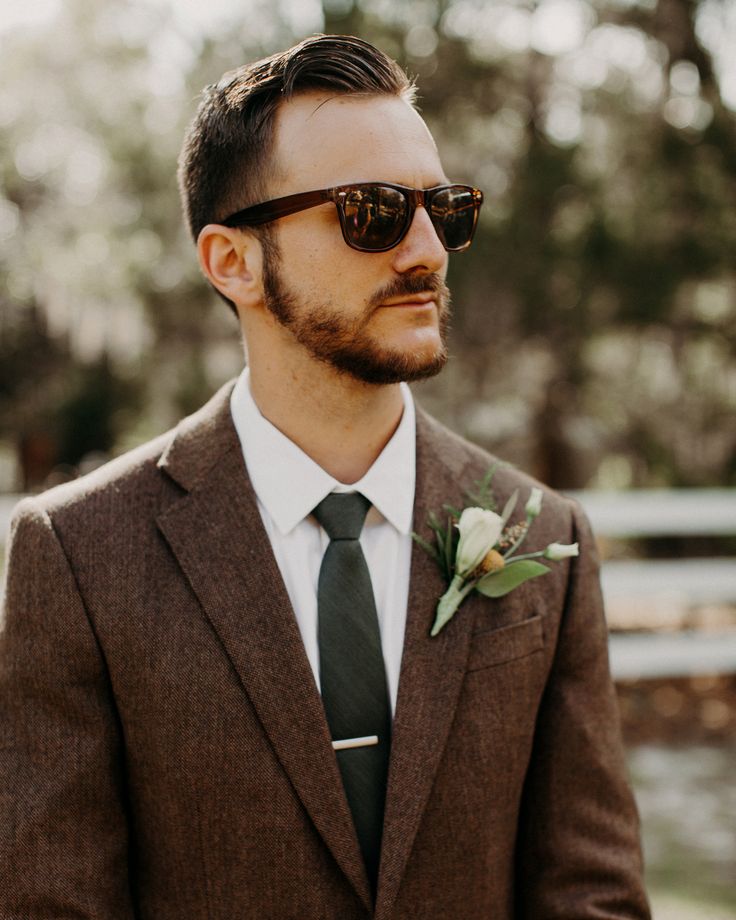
221, 696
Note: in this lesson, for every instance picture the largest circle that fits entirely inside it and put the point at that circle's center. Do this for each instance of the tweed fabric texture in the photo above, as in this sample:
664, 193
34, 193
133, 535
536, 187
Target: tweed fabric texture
163, 747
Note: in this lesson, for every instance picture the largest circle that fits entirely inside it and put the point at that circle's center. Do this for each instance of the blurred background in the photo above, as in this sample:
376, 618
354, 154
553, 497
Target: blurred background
594, 336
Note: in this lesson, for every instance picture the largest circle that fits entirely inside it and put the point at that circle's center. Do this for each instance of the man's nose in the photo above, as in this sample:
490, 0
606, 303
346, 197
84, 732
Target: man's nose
421, 247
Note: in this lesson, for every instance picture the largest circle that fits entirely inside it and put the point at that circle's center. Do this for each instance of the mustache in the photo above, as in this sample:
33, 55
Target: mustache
412, 284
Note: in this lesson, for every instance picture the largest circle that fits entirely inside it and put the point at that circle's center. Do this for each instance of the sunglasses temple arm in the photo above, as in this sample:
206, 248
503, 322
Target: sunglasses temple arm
279, 207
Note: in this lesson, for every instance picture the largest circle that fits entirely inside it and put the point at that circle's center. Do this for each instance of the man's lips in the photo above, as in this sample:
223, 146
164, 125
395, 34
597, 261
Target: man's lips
411, 300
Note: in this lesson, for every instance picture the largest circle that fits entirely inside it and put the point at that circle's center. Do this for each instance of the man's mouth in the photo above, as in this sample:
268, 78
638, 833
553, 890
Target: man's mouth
411, 300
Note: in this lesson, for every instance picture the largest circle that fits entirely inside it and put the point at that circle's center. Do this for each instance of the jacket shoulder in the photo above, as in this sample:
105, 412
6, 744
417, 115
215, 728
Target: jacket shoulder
469, 464
141, 481
117, 479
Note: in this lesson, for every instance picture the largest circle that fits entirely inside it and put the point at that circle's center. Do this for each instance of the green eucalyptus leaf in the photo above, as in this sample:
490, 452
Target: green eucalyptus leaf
482, 495
433, 522
439, 535
426, 546
497, 584
449, 560
509, 507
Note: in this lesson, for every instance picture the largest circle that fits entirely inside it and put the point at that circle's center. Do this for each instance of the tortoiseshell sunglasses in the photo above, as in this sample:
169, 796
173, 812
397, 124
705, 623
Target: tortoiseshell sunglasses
376, 216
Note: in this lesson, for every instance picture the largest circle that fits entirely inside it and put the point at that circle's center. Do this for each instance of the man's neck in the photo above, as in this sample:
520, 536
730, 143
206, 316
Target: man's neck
341, 423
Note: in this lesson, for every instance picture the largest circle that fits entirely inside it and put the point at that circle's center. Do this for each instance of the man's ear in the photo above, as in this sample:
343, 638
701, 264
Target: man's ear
231, 260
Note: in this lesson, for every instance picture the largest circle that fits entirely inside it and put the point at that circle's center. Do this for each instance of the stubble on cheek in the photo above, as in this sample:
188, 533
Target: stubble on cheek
350, 345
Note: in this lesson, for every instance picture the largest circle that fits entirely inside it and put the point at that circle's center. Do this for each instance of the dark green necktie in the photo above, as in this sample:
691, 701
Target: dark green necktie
352, 673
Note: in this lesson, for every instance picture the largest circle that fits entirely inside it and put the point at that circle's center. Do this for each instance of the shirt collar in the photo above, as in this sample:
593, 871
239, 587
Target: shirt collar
289, 484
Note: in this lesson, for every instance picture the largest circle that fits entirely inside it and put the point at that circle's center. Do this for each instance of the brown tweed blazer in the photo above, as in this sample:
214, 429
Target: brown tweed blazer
163, 749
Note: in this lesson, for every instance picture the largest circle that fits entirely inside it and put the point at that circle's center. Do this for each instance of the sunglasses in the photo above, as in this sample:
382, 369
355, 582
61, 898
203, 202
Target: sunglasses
376, 216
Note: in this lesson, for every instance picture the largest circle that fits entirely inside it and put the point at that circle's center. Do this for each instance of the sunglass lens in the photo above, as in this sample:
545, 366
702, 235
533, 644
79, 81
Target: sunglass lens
375, 216
453, 213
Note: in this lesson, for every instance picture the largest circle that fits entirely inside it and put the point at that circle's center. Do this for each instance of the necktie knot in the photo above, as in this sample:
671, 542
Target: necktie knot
342, 514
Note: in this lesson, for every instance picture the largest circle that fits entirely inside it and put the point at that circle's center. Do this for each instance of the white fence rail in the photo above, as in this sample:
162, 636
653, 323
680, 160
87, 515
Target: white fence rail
661, 512
662, 589
7, 503
665, 513
685, 654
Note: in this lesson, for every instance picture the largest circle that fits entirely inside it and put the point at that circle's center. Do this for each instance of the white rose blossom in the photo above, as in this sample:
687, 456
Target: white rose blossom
479, 532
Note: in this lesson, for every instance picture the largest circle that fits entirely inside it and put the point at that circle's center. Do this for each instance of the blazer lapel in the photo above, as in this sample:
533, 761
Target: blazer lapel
216, 532
432, 669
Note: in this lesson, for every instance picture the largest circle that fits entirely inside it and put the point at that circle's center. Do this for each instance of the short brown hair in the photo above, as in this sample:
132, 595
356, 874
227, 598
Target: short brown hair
226, 159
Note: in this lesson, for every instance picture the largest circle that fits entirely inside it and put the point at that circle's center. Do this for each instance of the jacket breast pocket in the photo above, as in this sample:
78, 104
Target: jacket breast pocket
496, 646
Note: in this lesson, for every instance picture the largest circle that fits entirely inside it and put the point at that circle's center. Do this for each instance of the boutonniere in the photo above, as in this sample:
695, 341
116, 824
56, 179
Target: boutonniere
478, 550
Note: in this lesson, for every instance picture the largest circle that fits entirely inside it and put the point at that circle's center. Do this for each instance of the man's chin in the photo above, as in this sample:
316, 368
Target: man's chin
382, 368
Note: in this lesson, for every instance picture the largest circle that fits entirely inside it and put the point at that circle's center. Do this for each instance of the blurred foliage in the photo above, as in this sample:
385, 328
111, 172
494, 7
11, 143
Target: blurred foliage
595, 316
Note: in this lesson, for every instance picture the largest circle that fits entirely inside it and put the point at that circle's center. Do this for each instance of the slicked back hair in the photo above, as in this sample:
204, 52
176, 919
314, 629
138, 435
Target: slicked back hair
227, 157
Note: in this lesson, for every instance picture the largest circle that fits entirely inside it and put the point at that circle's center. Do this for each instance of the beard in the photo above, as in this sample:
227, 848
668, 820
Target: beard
346, 344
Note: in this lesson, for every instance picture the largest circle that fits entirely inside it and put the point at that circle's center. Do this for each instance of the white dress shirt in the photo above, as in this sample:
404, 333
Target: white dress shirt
289, 485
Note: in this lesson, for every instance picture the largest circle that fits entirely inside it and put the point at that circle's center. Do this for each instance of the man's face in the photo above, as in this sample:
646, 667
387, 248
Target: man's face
380, 317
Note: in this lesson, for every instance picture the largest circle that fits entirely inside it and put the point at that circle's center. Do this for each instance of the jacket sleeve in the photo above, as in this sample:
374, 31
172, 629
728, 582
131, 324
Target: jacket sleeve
63, 839
578, 852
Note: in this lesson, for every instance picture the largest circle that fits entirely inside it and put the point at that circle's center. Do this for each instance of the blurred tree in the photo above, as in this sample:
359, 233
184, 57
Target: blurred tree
90, 413
594, 325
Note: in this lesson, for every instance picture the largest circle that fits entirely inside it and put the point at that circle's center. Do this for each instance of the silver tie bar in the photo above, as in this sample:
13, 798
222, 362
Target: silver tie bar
365, 741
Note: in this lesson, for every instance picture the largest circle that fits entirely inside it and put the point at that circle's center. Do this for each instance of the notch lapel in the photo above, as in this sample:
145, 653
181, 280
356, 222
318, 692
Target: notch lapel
432, 669
217, 535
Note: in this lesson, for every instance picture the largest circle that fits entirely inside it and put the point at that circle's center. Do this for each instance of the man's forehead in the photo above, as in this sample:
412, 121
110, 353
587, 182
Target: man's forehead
311, 104
350, 137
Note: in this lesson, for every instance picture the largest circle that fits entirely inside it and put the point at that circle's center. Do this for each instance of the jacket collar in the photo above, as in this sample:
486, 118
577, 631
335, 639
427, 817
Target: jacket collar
289, 484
